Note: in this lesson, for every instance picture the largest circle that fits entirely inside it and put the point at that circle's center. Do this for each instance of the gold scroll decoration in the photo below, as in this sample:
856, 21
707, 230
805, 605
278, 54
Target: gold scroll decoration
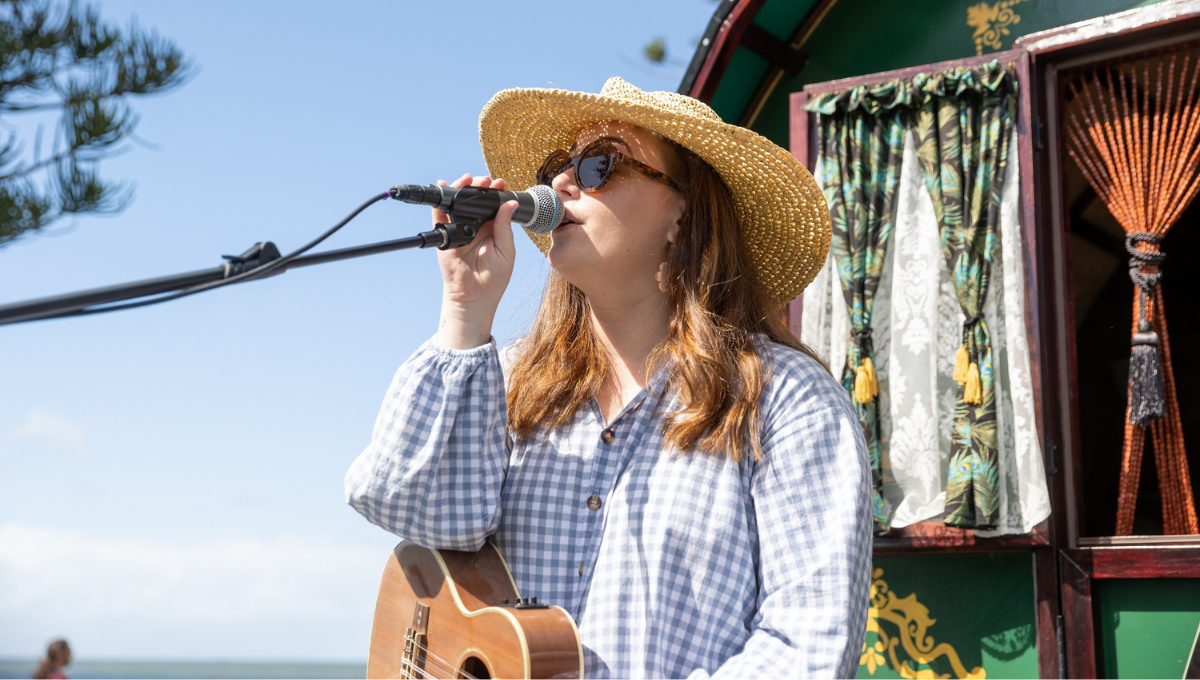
991, 22
912, 622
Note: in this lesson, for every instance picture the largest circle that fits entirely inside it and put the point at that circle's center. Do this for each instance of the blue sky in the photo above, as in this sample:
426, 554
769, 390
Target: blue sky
171, 477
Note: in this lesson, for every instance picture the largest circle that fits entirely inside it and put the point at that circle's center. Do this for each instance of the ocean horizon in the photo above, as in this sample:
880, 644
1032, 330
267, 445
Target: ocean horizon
219, 670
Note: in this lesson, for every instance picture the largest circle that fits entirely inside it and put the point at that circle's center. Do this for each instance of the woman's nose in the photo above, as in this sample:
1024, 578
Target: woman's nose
564, 184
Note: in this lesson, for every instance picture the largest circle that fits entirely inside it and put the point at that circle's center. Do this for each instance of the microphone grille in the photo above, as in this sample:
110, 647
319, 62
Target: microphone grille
549, 211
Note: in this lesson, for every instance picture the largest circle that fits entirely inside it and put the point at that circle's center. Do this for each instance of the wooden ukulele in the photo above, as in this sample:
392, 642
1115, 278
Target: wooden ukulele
450, 614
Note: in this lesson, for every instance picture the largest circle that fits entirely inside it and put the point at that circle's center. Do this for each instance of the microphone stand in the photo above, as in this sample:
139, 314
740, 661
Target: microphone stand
443, 236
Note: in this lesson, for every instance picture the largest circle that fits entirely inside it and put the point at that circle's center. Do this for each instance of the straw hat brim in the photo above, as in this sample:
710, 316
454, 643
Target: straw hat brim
783, 214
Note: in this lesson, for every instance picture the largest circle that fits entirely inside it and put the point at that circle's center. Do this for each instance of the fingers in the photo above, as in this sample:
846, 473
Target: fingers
438, 216
502, 228
495, 236
482, 182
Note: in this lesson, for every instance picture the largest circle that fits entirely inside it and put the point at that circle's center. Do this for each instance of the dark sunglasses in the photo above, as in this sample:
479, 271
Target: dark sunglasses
595, 165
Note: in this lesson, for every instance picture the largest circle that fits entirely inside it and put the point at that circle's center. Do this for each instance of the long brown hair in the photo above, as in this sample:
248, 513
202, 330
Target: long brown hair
57, 656
717, 304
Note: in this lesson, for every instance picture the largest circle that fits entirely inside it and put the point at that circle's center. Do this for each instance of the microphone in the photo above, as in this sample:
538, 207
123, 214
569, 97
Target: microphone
538, 211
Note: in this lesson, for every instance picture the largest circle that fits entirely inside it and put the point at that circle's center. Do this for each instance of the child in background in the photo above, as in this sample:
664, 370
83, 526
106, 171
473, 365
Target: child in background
58, 655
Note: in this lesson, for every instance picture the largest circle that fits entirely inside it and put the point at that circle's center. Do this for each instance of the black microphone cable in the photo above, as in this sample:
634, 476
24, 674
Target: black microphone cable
260, 271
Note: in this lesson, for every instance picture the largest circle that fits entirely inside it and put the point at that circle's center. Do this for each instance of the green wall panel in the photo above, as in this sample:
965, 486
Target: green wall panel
973, 609
737, 87
780, 18
858, 37
1146, 626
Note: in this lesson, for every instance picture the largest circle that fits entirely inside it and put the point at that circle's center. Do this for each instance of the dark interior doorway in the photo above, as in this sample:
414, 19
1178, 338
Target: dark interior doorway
1102, 297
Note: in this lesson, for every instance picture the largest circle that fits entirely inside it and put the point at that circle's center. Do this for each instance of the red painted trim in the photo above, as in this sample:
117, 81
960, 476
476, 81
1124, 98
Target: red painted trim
721, 51
1156, 562
1080, 637
937, 537
798, 143
1046, 611
798, 124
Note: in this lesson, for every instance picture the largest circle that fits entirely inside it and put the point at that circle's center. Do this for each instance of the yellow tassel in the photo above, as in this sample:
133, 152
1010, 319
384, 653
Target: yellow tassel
862, 385
869, 368
973, 392
961, 359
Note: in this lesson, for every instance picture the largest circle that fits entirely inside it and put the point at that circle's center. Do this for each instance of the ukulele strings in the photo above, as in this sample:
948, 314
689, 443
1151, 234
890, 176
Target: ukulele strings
412, 670
449, 671
420, 674
438, 662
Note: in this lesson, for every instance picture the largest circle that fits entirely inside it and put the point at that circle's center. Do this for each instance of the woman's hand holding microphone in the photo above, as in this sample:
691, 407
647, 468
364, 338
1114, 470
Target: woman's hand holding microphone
474, 276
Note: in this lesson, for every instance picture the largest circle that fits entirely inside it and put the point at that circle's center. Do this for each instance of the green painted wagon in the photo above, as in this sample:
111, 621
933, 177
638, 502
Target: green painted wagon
1011, 184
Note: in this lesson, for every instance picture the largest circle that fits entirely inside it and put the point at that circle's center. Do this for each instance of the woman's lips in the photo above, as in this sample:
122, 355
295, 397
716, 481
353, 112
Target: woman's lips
568, 221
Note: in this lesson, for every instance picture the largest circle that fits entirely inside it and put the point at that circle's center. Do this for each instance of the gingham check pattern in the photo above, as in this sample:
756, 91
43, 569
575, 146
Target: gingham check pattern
693, 566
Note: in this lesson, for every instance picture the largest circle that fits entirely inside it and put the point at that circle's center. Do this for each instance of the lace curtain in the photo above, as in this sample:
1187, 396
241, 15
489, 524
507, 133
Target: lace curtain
918, 327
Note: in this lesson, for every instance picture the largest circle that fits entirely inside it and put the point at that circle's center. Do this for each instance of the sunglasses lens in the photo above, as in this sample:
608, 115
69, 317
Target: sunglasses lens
595, 165
554, 166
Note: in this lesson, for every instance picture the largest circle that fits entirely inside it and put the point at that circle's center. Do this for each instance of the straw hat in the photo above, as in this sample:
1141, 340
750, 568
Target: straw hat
784, 216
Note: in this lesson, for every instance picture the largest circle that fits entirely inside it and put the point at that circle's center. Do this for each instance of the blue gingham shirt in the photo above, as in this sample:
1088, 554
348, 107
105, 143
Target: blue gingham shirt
691, 565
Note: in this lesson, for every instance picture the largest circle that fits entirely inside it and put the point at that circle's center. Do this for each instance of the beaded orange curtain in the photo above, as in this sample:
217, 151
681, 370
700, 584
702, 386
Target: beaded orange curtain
1132, 128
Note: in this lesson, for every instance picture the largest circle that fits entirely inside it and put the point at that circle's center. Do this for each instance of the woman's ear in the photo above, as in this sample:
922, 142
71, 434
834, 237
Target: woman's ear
673, 232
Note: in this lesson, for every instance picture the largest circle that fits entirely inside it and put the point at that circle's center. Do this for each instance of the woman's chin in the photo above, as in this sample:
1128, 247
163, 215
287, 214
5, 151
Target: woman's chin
563, 253
560, 260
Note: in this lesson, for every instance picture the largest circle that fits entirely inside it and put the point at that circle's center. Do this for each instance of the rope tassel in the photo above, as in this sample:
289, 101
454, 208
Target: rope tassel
869, 368
962, 362
862, 384
973, 389
1146, 399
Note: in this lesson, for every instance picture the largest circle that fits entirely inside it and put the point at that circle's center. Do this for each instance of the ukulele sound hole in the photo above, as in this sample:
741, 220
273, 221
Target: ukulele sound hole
473, 667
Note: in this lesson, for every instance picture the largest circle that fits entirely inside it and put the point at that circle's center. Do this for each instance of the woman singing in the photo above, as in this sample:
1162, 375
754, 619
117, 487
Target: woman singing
660, 456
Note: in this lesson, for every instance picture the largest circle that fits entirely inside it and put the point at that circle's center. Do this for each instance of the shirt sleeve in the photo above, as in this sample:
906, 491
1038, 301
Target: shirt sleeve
438, 455
812, 504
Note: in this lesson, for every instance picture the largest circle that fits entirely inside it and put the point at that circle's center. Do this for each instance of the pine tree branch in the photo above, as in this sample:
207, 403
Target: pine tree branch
35, 167
68, 59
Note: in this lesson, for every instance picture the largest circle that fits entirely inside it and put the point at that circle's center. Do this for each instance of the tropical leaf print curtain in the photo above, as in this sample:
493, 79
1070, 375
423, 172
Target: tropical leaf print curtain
861, 146
962, 128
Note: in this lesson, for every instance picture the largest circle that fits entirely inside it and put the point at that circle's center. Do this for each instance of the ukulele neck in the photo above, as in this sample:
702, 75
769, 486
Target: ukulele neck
415, 643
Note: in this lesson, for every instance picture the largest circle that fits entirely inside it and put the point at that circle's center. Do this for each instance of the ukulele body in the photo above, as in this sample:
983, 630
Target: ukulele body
443, 614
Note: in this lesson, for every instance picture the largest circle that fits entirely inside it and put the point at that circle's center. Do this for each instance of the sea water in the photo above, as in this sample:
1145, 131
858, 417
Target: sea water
23, 668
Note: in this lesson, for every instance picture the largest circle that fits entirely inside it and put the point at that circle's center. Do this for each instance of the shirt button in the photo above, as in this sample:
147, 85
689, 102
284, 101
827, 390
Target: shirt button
594, 502
608, 437
581, 568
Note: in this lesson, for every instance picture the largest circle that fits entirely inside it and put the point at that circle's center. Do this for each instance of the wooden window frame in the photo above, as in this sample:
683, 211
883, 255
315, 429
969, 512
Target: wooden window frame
933, 536
1050, 52
1081, 567
1049, 317
1083, 559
